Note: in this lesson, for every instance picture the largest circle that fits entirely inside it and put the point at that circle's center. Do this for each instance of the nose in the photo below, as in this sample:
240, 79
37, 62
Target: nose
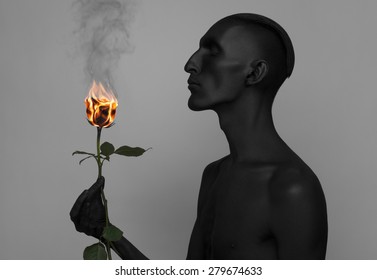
192, 65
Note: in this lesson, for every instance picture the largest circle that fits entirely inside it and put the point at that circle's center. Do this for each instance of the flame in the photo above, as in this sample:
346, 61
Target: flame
101, 105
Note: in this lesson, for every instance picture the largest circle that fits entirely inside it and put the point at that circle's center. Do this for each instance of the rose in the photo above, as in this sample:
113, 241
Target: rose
101, 105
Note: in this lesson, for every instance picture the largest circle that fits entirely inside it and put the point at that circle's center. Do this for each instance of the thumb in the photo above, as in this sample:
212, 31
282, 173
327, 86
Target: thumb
96, 188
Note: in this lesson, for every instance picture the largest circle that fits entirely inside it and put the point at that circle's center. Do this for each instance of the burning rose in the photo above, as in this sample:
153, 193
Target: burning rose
101, 105
103, 30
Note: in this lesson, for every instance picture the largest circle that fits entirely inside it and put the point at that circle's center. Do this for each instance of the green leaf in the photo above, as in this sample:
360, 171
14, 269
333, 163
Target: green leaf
85, 159
83, 153
129, 151
95, 252
107, 149
112, 233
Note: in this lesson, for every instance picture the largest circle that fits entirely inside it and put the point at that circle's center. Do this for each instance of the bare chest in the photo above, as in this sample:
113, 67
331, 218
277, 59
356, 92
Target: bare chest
234, 216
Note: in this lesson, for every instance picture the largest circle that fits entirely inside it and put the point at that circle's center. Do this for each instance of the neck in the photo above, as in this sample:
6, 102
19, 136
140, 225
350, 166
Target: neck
250, 131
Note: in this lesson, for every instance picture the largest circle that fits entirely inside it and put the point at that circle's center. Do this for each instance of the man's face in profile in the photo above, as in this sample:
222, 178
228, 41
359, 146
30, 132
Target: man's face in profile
219, 67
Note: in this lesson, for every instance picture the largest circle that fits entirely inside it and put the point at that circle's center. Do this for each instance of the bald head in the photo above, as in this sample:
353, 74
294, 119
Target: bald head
272, 37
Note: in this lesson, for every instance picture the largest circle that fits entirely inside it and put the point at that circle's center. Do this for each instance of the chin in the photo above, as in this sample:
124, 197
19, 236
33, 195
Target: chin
194, 106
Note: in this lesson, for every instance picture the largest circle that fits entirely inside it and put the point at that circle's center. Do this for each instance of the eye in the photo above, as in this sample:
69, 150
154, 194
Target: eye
211, 46
214, 50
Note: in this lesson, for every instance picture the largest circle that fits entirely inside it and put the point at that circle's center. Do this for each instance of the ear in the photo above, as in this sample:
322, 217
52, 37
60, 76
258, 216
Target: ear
257, 71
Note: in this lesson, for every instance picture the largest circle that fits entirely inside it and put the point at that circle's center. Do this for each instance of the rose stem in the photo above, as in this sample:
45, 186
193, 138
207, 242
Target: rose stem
99, 130
104, 200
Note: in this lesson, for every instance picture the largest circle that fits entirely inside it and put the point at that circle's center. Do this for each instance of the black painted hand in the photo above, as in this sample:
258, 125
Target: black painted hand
88, 212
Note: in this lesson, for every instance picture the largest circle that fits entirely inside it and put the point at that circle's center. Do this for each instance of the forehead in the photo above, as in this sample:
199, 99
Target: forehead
229, 34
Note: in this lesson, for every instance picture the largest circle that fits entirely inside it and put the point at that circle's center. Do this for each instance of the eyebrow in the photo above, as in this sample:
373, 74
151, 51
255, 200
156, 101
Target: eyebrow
209, 42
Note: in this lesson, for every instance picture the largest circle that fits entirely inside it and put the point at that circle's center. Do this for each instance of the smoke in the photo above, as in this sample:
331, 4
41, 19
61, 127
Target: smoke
103, 34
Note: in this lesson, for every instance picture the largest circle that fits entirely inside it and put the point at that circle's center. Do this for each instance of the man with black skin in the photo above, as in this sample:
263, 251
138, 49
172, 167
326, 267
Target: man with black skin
261, 201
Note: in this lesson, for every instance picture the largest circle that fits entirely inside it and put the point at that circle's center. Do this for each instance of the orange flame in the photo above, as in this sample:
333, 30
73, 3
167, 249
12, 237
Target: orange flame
101, 105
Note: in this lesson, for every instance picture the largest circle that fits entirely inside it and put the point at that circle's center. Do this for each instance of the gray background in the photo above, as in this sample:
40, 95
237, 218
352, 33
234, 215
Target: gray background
326, 112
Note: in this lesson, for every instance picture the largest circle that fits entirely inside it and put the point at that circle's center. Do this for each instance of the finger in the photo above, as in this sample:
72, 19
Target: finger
96, 214
82, 208
95, 190
75, 211
92, 218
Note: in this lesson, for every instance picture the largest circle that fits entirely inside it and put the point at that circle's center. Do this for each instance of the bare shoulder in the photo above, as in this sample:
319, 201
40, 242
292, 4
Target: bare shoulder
210, 174
295, 182
298, 215
211, 171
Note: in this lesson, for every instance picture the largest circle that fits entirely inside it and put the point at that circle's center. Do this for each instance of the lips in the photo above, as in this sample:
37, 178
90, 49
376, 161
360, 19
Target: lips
192, 82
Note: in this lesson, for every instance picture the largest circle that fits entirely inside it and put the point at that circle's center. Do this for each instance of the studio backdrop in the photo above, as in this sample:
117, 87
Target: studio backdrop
326, 112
